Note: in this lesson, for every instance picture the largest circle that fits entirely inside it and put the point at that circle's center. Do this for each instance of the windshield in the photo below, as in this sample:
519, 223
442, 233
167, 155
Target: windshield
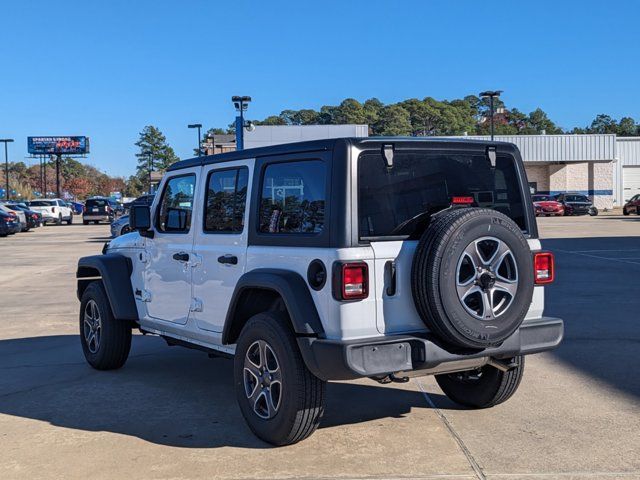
543, 198
96, 203
41, 203
399, 202
576, 198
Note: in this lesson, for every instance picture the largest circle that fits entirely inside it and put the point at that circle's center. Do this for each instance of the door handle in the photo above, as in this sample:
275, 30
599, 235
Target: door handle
228, 259
181, 257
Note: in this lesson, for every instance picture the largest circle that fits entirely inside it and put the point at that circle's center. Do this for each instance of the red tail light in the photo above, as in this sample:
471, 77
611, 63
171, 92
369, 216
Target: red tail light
352, 281
84, 208
34, 216
544, 270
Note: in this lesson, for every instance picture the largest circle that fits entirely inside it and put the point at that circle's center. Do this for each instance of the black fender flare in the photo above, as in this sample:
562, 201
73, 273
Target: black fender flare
114, 270
293, 290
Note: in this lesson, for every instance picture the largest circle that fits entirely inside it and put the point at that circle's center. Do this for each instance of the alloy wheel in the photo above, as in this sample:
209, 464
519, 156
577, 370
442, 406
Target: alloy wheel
92, 326
262, 379
486, 278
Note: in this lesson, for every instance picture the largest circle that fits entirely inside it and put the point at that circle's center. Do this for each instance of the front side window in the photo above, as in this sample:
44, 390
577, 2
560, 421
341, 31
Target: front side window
293, 197
176, 206
225, 201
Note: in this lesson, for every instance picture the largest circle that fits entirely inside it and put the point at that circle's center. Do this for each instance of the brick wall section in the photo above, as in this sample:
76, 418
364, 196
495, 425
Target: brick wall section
603, 180
557, 178
538, 174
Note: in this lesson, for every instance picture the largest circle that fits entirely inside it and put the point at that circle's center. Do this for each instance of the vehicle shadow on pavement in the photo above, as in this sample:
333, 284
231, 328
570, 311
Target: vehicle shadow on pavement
596, 293
165, 395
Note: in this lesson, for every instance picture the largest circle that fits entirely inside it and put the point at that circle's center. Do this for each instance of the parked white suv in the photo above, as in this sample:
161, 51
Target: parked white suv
53, 210
385, 258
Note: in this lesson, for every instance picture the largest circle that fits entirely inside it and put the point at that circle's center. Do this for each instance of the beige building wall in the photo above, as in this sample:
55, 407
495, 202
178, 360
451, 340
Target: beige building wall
538, 174
594, 179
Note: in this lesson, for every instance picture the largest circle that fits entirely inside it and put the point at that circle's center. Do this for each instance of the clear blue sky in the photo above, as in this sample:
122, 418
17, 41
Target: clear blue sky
107, 69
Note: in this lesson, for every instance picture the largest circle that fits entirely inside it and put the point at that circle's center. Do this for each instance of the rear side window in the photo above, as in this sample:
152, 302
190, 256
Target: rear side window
176, 205
293, 197
225, 200
399, 201
91, 203
41, 203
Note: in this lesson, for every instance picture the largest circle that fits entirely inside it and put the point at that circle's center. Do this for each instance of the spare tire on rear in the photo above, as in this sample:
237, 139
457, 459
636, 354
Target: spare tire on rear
472, 277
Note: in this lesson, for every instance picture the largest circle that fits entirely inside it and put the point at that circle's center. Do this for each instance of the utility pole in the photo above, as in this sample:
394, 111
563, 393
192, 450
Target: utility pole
198, 126
491, 94
58, 158
6, 165
241, 103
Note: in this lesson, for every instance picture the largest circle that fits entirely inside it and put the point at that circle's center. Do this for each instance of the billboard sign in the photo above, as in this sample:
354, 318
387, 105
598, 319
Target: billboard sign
57, 145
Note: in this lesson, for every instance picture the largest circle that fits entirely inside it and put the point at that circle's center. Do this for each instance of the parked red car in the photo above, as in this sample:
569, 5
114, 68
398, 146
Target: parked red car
632, 206
547, 205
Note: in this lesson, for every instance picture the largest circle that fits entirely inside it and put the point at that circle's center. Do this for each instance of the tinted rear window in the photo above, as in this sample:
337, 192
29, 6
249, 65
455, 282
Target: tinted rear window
399, 202
576, 198
542, 198
96, 203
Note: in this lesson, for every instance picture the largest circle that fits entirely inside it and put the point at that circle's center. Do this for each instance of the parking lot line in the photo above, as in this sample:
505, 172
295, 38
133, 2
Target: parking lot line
609, 259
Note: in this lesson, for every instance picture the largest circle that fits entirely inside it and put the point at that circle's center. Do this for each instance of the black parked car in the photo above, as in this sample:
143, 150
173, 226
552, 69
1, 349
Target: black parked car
141, 200
34, 219
575, 204
8, 224
100, 209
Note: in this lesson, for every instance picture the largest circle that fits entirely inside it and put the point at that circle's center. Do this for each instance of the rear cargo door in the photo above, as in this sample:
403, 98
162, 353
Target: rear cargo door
395, 310
397, 199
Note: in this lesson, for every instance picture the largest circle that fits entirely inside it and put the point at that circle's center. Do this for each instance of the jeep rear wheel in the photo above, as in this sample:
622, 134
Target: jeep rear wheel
281, 400
105, 340
472, 277
484, 387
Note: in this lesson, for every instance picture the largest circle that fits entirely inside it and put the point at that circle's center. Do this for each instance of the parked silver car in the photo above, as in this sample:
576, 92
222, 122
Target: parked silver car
120, 226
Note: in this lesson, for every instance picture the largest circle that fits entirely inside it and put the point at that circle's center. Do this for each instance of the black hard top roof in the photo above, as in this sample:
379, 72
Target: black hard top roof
328, 144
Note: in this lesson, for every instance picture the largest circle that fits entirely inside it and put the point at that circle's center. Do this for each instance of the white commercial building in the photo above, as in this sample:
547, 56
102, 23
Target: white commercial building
627, 174
265, 135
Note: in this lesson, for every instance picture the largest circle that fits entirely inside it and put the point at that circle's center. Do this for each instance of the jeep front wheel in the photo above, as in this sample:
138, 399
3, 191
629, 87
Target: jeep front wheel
280, 399
105, 340
484, 387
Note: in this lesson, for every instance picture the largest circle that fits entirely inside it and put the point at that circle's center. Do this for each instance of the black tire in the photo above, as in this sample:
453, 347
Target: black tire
484, 387
85, 222
70, 221
301, 397
114, 340
96, 222
435, 267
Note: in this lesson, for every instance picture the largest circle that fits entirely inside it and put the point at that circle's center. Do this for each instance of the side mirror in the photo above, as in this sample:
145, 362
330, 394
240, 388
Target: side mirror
140, 220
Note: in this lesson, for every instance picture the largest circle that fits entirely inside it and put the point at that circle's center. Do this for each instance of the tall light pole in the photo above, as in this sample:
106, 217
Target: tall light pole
491, 94
241, 103
6, 165
198, 126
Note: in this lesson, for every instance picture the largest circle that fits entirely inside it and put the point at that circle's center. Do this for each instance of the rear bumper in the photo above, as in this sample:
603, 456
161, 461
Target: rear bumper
380, 356
97, 217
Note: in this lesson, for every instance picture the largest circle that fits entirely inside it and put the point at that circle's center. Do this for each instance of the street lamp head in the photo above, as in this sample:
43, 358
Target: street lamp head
6, 140
194, 125
240, 102
490, 93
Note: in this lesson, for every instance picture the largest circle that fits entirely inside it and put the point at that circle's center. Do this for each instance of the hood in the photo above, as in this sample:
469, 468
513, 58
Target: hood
128, 240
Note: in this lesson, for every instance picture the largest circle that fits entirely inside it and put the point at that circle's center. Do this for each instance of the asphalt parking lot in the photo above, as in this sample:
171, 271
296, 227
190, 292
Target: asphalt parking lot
171, 412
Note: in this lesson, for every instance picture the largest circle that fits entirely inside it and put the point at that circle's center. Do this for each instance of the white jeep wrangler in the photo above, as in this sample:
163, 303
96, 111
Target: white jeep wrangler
385, 258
